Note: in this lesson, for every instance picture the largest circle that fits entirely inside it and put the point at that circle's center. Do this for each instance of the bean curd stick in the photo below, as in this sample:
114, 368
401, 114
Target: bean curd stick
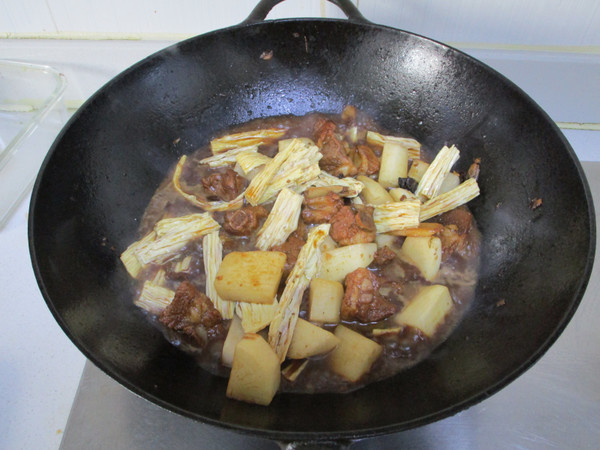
458, 196
282, 220
413, 146
154, 298
299, 169
236, 203
306, 268
260, 182
169, 237
255, 137
396, 215
256, 316
437, 171
212, 252
249, 161
228, 157
129, 258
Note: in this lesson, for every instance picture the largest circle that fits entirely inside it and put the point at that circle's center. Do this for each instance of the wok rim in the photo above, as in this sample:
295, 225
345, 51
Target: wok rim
322, 435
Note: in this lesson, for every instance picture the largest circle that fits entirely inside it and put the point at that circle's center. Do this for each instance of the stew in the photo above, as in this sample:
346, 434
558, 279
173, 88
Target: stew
308, 254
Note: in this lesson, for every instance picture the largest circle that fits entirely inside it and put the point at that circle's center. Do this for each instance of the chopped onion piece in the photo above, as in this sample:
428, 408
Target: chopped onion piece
349, 186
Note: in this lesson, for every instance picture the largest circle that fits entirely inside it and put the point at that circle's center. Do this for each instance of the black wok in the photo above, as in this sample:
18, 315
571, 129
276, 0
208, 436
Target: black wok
106, 163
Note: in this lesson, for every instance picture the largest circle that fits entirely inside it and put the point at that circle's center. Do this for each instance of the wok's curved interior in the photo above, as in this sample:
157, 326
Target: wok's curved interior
107, 162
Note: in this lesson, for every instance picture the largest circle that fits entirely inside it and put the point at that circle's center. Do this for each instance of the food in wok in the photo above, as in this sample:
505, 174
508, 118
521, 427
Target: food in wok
308, 254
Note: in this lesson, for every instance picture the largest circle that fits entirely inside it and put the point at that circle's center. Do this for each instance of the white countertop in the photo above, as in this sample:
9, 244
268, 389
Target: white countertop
40, 368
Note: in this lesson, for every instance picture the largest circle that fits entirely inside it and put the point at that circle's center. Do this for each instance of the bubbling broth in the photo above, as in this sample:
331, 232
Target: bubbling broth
308, 254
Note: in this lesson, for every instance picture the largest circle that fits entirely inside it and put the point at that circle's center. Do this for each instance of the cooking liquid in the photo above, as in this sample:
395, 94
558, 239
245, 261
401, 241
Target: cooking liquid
400, 350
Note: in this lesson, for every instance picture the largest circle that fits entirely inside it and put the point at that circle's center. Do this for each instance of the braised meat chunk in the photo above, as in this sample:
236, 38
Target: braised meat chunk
225, 185
192, 314
366, 161
455, 234
353, 225
384, 255
335, 159
243, 221
291, 247
362, 300
321, 209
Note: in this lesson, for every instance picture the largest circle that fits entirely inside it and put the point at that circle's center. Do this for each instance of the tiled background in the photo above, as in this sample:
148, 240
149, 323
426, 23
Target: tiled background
524, 22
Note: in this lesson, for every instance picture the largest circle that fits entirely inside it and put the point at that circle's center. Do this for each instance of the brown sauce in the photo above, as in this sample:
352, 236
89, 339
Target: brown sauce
400, 350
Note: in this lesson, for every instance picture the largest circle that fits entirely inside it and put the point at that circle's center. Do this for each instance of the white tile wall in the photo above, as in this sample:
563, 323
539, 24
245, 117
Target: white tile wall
529, 22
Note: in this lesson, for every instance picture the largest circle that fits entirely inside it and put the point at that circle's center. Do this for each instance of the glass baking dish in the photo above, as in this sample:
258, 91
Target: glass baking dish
31, 115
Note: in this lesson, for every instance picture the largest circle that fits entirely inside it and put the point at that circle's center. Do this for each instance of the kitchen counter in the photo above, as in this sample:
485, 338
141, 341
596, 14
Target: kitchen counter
556, 403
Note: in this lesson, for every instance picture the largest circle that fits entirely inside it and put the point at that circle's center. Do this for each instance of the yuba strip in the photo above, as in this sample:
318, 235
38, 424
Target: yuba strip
436, 173
228, 157
154, 298
465, 192
306, 268
413, 146
172, 235
212, 253
246, 138
236, 203
255, 316
396, 215
282, 220
294, 165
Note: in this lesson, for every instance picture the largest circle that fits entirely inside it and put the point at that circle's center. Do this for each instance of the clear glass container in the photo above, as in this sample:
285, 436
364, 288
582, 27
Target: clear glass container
31, 115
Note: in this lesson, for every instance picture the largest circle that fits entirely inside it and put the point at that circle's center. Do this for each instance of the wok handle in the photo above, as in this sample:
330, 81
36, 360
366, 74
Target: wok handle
260, 11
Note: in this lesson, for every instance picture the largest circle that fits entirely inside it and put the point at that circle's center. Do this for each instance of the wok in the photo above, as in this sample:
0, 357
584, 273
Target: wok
106, 163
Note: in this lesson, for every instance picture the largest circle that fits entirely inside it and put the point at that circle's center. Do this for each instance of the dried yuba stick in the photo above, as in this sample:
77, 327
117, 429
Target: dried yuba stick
212, 252
460, 195
306, 268
437, 171
282, 220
